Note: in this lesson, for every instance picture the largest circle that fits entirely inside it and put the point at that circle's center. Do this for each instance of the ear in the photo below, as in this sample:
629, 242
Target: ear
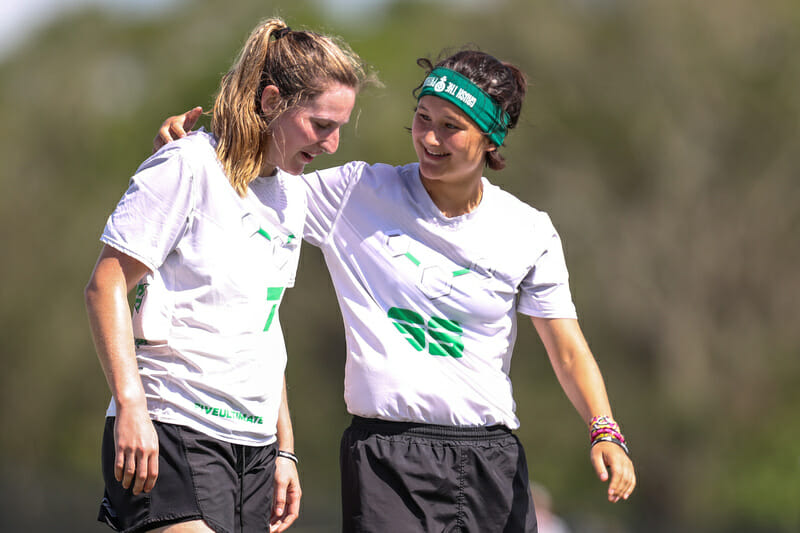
491, 148
269, 99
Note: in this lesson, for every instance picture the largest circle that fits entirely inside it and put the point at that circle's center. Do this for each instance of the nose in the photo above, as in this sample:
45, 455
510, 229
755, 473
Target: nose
330, 144
430, 137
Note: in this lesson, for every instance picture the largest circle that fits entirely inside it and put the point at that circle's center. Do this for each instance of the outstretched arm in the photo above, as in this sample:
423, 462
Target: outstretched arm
579, 376
286, 501
110, 320
176, 127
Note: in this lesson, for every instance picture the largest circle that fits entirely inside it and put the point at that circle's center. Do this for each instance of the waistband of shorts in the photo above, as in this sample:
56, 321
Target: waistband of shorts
435, 431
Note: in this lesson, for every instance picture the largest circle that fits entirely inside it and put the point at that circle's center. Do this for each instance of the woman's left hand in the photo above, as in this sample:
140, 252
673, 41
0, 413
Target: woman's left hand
611, 462
286, 500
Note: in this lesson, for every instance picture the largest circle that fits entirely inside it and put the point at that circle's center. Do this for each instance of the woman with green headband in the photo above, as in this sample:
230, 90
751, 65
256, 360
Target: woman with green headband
431, 264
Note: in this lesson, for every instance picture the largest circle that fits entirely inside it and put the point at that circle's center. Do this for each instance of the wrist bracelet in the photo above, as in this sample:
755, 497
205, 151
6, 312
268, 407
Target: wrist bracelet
615, 441
288, 455
604, 429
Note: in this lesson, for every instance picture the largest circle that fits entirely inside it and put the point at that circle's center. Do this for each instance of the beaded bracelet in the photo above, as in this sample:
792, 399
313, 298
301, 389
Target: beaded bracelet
604, 429
615, 441
288, 455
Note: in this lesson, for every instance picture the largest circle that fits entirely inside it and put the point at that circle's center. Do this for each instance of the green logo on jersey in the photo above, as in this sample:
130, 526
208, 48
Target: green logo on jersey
443, 336
273, 293
263, 233
140, 290
229, 413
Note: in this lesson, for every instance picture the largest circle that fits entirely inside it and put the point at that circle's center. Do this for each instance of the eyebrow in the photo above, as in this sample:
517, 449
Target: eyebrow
447, 114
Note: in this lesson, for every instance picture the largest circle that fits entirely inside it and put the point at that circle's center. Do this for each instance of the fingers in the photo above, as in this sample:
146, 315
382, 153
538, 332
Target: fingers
119, 468
279, 498
136, 460
138, 469
611, 462
168, 132
286, 497
292, 510
175, 127
623, 479
278, 524
599, 464
191, 118
152, 473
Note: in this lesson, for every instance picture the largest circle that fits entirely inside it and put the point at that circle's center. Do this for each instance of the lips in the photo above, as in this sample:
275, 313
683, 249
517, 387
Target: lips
435, 155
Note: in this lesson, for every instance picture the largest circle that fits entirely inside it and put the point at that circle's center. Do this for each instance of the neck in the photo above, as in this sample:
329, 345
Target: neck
454, 199
267, 170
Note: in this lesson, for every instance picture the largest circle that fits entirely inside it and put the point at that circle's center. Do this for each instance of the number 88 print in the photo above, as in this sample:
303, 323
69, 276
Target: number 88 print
443, 335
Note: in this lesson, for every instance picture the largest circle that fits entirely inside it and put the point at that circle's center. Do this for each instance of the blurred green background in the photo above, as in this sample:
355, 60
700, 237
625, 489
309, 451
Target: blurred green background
661, 136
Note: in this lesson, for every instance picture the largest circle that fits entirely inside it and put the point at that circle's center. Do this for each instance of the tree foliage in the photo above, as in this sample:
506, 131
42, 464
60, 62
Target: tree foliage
660, 136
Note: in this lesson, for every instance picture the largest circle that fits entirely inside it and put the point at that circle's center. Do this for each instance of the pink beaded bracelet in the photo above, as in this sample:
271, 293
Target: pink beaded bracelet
604, 429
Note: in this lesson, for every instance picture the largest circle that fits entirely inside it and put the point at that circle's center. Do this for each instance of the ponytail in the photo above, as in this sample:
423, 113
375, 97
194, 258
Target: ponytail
301, 64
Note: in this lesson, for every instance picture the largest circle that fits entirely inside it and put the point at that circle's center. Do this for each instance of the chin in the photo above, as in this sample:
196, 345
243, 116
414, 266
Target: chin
430, 172
295, 170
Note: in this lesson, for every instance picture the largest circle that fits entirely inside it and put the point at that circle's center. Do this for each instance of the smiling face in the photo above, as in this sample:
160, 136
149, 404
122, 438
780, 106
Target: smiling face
450, 147
304, 132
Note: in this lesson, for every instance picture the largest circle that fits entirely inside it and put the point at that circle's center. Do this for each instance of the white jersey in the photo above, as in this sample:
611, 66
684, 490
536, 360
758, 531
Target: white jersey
429, 303
209, 343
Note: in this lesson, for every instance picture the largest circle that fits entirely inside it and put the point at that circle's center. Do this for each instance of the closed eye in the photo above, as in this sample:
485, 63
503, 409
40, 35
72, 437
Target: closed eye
323, 125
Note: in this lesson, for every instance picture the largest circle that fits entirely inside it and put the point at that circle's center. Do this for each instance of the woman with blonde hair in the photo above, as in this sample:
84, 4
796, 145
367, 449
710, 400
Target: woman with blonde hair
432, 264
198, 435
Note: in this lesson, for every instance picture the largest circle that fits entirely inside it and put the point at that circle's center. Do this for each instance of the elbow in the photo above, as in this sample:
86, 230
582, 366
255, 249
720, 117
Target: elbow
91, 293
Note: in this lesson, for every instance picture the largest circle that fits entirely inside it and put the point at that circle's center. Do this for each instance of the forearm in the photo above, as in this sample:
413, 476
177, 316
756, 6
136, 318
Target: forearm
583, 384
285, 434
575, 367
580, 377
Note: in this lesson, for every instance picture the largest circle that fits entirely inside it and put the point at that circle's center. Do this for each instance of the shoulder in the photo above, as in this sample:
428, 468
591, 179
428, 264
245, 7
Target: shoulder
180, 166
196, 149
348, 175
384, 170
512, 208
383, 175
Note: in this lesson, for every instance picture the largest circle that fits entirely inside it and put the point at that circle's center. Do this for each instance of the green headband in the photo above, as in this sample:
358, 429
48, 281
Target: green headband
470, 98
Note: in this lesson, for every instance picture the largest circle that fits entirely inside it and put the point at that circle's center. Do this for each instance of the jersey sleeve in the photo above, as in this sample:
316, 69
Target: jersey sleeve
544, 292
154, 212
326, 193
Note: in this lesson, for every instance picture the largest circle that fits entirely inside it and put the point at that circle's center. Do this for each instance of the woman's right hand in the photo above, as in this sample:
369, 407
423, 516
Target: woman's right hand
176, 127
136, 443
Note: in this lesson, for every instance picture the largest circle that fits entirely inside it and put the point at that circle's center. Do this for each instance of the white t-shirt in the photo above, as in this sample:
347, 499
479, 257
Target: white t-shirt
429, 303
210, 348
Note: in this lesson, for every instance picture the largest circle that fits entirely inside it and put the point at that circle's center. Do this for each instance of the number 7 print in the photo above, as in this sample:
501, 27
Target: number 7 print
273, 294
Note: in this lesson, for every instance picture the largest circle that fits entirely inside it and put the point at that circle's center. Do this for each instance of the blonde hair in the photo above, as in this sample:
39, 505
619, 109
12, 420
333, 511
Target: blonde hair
301, 64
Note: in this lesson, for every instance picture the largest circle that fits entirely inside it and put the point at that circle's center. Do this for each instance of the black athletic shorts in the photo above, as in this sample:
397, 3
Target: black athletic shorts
407, 477
229, 486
